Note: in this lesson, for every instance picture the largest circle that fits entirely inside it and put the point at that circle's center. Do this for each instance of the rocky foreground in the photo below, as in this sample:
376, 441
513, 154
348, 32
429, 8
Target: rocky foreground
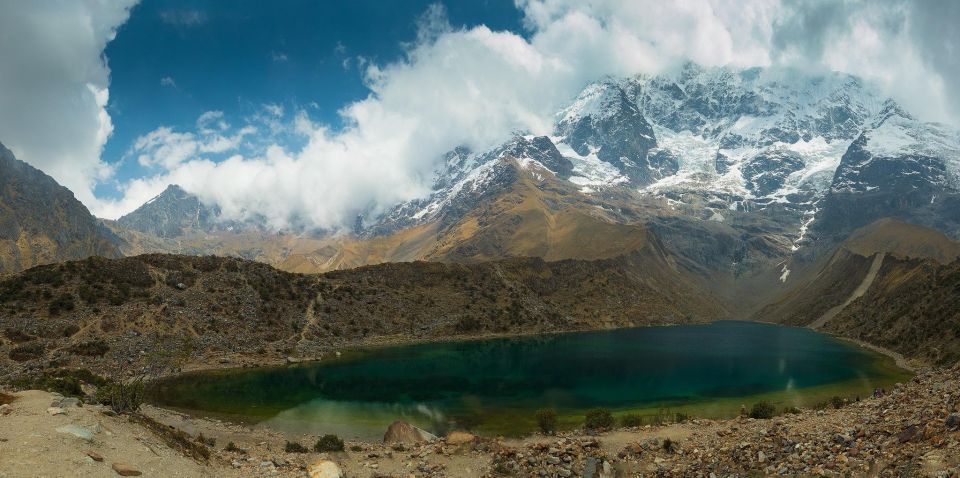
914, 430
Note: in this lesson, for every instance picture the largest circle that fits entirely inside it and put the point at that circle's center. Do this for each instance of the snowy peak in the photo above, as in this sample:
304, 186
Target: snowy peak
900, 153
604, 121
172, 213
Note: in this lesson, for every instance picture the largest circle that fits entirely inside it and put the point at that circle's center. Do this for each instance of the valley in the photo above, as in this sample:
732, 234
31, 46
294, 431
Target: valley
690, 199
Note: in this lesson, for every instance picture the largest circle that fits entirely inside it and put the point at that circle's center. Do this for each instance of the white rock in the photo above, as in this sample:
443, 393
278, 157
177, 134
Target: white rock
324, 469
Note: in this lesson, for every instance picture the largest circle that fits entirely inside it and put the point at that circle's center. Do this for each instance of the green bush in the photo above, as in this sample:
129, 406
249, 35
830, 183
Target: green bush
27, 351
294, 447
631, 420
762, 410
121, 397
598, 419
328, 443
837, 402
546, 420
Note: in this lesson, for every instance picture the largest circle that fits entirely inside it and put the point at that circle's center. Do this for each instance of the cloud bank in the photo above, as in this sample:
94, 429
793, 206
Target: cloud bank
475, 86
54, 86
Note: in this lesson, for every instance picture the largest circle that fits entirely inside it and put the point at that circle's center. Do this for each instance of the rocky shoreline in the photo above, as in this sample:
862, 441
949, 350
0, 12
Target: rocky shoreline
914, 430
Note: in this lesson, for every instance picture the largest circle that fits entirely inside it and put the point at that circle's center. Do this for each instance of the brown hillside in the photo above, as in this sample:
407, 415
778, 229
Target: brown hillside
129, 313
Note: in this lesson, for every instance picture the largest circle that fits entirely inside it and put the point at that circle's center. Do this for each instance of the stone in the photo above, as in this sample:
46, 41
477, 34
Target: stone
457, 437
761, 457
953, 421
590, 468
123, 469
56, 411
5, 409
65, 402
907, 434
94, 456
403, 432
324, 469
77, 431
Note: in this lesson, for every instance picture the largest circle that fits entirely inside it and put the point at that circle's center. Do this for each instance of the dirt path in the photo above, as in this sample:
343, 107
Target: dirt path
37, 444
857, 293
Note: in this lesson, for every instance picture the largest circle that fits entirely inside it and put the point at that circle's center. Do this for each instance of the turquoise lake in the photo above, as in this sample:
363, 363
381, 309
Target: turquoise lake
495, 385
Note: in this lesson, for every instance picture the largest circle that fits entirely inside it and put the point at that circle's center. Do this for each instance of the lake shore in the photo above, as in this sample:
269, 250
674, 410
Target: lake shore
912, 430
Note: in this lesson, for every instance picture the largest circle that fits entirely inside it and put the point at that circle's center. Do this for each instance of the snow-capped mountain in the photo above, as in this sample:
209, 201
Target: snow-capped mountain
714, 141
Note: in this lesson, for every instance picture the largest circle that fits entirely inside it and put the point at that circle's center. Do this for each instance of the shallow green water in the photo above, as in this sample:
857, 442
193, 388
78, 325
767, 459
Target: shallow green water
499, 383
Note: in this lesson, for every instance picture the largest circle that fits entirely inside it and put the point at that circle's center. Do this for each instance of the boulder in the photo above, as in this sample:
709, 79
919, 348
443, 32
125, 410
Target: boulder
56, 411
457, 437
5, 409
125, 470
324, 469
403, 432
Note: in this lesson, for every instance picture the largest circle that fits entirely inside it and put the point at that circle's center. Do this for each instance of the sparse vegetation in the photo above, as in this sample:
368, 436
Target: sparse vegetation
94, 348
121, 397
598, 419
837, 402
233, 448
27, 351
631, 420
328, 443
295, 447
546, 420
762, 410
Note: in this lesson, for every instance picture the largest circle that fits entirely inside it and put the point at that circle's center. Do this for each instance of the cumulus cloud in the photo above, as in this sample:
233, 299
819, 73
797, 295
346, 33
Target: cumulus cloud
476, 86
54, 86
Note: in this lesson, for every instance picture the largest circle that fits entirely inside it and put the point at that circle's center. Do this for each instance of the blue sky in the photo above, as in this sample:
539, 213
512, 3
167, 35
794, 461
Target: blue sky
237, 101
174, 60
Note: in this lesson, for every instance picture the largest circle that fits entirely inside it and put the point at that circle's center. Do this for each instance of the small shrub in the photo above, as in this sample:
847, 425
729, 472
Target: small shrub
598, 419
121, 397
791, 410
631, 420
233, 448
295, 447
328, 443
27, 351
546, 420
669, 445
837, 402
356, 448
209, 441
762, 410
681, 417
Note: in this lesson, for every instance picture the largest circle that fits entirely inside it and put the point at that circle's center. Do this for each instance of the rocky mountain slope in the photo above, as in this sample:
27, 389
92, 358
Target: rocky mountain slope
890, 284
748, 178
42, 222
120, 315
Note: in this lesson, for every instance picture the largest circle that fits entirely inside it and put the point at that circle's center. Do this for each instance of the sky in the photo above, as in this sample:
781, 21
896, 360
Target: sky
310, 113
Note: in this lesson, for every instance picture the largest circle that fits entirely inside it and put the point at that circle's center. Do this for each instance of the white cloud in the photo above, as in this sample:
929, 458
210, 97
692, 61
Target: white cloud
168, 82
54, 86
475, 86
183, 18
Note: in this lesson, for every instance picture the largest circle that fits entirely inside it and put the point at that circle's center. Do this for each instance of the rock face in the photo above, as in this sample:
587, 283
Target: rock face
173, 213
403, 432
42, 222
324, 469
